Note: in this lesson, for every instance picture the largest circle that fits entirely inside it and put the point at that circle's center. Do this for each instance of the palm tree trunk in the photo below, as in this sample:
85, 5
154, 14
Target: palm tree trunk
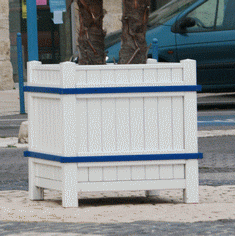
134, 24
91, 34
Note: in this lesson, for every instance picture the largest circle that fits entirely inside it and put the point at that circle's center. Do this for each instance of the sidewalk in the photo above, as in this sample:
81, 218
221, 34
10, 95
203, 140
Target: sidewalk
118, 207
10, 102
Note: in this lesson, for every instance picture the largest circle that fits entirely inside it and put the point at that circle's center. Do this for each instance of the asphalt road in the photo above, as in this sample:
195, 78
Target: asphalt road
10, 125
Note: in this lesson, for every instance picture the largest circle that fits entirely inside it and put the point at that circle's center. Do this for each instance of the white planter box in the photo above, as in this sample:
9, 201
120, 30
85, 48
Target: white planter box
112, 127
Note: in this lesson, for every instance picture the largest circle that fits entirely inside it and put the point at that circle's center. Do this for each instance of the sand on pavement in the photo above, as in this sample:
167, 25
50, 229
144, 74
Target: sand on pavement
112, 207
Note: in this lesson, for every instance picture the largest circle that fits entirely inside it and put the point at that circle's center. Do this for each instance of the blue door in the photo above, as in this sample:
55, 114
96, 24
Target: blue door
211, 42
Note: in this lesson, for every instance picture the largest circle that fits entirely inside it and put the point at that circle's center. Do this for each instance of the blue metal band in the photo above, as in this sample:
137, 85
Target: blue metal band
148, 89
145, 157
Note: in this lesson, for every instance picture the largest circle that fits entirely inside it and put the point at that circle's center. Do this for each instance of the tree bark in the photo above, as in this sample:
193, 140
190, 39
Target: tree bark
134, 24
91, 34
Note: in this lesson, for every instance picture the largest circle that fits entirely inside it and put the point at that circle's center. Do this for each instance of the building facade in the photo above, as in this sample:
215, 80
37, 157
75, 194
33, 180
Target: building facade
56, 42
6, 73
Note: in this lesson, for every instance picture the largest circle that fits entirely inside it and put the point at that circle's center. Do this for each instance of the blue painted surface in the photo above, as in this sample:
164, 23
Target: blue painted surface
155, 49
57, 5
226, 120
78, 159
149, 89
20, 73
32, 30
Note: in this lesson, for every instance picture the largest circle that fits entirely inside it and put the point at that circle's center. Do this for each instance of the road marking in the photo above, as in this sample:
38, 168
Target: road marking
11, 119
214, 133
216, 120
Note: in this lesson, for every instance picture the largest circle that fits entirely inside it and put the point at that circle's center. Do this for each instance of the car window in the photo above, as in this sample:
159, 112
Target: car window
168, 11
213, 15
205, 16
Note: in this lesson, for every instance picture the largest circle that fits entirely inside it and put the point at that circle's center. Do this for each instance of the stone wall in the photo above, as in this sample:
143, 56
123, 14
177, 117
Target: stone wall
112, 18
6, 73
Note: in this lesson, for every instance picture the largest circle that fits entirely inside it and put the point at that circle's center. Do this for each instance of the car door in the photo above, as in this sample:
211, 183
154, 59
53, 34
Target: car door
211, 42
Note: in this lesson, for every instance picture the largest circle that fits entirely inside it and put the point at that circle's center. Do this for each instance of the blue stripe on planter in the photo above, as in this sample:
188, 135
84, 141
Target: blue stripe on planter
149, 157
147, 89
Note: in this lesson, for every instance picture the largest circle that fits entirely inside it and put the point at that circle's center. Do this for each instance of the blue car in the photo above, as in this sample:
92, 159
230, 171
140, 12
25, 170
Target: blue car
203, 30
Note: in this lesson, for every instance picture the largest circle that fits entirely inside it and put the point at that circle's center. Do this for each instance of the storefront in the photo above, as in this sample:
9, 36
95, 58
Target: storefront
57, 42
54, 40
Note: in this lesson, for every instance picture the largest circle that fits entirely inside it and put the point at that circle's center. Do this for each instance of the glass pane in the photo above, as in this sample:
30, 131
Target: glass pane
204, 16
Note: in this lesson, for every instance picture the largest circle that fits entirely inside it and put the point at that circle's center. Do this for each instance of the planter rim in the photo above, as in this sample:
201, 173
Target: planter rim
113, 158
102, 90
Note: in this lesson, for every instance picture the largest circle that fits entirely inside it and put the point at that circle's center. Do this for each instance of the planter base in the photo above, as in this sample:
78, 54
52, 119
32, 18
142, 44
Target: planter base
71, 178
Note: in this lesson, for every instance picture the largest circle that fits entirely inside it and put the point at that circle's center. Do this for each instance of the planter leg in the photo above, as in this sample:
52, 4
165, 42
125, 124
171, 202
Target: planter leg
69, 191
35, 193
152, 193
191, 193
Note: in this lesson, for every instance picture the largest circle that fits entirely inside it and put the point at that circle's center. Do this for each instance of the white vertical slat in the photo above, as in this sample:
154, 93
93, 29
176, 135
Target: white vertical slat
69, 183
124, 172
32, 122
58, 126
179, 171
135, 76
37, 169
177, 76
35, 193
122, 77
108, 125
42, 77
95, 174
122, 124
189, 71
190, 122
165, 123
40, 124
138, 172
110, 173
136, 123
68, 107
46, 123
69, 125
31, 73
68, 74
80, 78
93, 77
50, 77
178, 122
150, 76
57, 175
51, 129
191, 193
94, 125
152, 172
82, 134
83, 174
108, 77
151, 123
164, 75
166, 172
